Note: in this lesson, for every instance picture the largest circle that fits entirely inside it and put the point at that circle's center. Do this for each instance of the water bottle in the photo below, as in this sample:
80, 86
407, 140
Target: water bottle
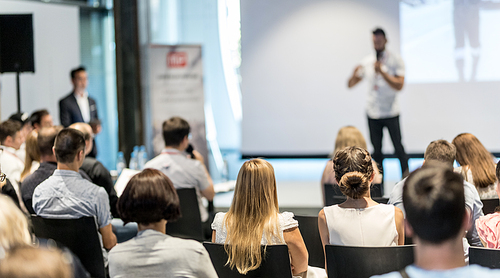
134, 163
120, 163
142, 157
225, 172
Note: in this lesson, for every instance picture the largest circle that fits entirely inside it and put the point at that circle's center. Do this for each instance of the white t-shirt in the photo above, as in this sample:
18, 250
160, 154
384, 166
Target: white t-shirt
382, 100
371, 226
183, 172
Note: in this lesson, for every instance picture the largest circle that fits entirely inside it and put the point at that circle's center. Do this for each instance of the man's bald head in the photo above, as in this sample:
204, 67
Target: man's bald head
88, 134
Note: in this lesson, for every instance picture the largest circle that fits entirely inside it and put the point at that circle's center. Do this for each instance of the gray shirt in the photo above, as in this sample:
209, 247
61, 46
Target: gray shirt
472, 201
154, 254
66, 194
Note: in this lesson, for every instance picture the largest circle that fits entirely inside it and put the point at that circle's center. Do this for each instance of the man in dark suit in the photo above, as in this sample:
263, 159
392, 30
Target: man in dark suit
78, 106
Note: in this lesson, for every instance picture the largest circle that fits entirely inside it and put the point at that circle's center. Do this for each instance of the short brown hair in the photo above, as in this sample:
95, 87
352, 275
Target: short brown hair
174, 131
441, 150
149, 197
68, 143
9, 128
46, 139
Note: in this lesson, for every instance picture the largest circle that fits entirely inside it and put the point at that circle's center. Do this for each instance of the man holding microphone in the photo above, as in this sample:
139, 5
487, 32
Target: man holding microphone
385, 72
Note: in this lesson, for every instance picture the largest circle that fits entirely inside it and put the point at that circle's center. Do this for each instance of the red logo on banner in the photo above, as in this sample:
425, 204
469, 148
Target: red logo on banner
176, 59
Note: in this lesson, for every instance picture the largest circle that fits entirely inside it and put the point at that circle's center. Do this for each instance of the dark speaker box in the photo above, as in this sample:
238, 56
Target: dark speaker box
16, 43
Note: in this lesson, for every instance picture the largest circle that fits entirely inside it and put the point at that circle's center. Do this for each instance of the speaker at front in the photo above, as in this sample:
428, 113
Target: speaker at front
16, 43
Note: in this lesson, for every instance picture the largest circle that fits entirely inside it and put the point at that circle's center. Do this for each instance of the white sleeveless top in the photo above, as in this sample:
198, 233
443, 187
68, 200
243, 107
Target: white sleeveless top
372, 226
285, 219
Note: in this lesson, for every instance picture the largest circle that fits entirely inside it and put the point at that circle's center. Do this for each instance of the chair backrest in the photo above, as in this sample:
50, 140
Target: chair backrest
489, 205
79, 235
333, 195
363, 261
486, 257
276, 262
189, 225
308, 226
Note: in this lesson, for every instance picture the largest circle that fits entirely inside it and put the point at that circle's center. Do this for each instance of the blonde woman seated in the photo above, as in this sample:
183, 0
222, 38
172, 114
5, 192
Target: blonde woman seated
346, 137
254, 220
32, 160
488, 226
359, 221
477, 165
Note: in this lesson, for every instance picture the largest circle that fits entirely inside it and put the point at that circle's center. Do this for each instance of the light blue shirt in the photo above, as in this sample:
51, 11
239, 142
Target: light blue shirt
66, 194
471, 271
472, 201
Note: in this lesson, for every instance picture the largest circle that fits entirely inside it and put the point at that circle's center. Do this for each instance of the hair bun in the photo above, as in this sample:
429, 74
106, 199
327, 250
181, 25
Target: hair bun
354, 184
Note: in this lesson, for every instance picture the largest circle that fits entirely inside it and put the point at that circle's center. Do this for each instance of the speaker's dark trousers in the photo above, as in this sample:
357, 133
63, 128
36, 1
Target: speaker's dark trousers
376, 127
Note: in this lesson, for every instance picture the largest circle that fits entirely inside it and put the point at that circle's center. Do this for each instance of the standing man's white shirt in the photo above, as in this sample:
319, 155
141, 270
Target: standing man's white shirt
382, 100
184, 172
83, 104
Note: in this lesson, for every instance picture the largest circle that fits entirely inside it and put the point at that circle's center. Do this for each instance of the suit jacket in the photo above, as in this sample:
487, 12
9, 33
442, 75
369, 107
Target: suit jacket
69, 111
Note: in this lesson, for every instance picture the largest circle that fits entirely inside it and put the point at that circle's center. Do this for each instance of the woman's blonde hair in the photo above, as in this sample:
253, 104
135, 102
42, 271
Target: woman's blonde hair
349, 136
473, 155
32, 153
252, 215
13, 225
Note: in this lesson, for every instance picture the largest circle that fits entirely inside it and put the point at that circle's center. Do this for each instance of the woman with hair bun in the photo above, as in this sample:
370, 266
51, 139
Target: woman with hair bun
359, 221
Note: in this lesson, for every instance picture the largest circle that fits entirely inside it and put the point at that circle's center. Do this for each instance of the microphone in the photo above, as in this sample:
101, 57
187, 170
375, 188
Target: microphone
190, 150
379, 55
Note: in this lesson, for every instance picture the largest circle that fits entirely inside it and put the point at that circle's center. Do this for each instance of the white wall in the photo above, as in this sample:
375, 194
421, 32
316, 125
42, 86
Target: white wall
57, 51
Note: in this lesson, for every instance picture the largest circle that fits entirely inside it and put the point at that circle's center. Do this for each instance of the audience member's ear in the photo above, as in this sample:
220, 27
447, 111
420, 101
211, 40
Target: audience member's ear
408, 229
54, 151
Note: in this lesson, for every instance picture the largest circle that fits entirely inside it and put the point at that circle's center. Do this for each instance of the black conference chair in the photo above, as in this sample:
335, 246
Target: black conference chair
333, 195
189, 225
363, 262
486, 257
489, 205
79, 235
308, 226
276, 263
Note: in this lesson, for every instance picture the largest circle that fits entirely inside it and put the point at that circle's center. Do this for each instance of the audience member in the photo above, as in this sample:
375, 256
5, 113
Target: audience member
477, 165
32, 161
180, 168
254, 219
488, 226
14, 233
346, 137
66, 194
437, 220
42, 262
444, 152
150, 200
11, 140
23, 119
48, 163
95, 170
359, 220
41, 118
78, 106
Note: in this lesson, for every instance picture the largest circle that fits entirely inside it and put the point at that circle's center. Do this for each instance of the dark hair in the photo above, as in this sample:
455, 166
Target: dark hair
174, 131
68, 143
75, 71
22, 118
9, 128
378, 31
441, 150
433, 197
353, 169
149, 197
498, 170
36, 117
47, 138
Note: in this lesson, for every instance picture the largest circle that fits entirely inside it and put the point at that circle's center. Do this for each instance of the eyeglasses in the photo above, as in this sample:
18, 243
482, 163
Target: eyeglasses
2, 177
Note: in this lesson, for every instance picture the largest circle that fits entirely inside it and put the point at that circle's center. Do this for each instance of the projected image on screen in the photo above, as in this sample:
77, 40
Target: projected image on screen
450, 40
